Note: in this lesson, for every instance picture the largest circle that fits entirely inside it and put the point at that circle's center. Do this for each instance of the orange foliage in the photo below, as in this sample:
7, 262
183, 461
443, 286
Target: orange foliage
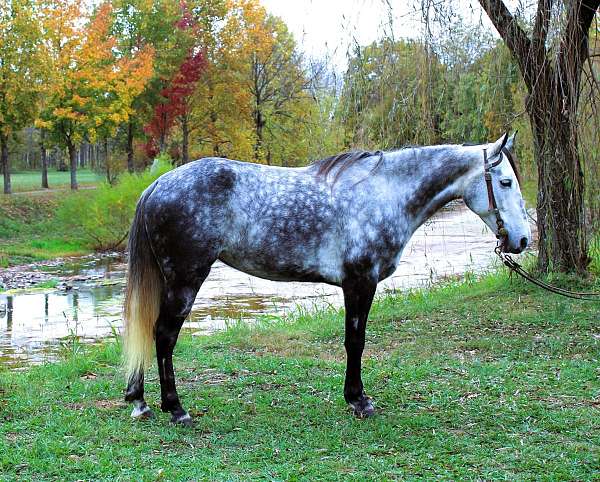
90, 91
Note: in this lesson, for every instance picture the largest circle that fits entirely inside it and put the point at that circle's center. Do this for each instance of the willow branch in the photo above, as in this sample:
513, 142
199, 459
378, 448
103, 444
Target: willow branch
514, 36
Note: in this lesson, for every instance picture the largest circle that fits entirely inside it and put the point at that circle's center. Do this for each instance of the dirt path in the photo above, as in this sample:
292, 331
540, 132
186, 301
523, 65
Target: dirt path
50, 191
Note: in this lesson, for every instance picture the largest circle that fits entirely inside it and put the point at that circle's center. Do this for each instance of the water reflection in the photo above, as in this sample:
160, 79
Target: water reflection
453, 242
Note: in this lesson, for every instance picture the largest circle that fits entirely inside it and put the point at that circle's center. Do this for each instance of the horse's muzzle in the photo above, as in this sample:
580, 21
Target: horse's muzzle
505, 246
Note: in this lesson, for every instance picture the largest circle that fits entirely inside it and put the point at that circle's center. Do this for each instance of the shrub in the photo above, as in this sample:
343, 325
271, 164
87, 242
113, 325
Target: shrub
101, 218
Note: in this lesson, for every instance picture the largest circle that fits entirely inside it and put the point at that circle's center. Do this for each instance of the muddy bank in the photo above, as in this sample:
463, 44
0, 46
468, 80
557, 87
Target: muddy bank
65, 272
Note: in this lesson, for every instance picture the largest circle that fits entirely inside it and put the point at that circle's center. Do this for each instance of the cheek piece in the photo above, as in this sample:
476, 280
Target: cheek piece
492, 205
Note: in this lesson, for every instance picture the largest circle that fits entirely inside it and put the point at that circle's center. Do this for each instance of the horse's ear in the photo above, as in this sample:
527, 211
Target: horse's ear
497, 146
511, 141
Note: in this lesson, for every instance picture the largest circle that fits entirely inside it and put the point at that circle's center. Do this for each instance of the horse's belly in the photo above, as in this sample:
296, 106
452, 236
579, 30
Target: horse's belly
275, 268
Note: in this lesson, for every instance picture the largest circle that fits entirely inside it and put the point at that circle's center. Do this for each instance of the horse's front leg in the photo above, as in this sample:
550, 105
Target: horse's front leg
358, 296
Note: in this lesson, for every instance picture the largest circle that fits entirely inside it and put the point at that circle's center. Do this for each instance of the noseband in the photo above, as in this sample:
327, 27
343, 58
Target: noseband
492, 205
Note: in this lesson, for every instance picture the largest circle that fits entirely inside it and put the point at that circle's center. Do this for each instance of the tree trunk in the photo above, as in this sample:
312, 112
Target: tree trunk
106, 162
259, 123
213, 130
73, 164
93, 151
5, 163
560, 201
44, 159
553, 76
162, 141
185, 138
130, 166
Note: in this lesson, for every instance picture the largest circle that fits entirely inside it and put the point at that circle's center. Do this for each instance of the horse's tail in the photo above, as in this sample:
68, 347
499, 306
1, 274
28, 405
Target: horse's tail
142, 295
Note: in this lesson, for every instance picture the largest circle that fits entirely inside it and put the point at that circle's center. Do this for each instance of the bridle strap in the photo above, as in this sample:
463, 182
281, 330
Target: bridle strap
492, 205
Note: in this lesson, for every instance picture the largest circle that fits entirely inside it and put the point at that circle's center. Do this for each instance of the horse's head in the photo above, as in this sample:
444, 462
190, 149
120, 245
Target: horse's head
494, 195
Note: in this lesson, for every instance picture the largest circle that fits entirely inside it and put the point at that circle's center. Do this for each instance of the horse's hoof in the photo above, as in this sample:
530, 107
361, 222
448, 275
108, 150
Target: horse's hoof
142, 412
363, 408
183, 419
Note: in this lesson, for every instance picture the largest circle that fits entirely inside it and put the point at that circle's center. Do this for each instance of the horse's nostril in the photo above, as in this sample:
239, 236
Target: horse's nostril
524, 242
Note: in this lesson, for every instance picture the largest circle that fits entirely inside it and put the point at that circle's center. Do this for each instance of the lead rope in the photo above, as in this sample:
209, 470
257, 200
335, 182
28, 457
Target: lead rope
515, 267
508, 261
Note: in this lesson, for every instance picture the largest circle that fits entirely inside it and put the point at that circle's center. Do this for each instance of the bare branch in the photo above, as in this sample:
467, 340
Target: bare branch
575, 47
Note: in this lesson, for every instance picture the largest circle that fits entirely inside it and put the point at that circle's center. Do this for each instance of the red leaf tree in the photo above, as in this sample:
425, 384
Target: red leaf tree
176, 104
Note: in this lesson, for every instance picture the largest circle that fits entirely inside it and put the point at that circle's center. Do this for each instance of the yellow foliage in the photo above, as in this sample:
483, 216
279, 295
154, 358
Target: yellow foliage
87, 75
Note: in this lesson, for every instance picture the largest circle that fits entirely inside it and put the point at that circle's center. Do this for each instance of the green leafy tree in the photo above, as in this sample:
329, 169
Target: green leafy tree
21, 71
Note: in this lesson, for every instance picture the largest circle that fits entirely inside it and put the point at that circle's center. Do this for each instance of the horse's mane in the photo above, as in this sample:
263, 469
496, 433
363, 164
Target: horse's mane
344, 161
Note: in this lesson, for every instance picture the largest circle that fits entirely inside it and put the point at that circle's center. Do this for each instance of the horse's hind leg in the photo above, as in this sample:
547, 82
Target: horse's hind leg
135, 394
176, 304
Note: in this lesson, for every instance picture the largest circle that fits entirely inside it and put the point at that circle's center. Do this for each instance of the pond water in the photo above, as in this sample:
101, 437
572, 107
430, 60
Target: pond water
34, 325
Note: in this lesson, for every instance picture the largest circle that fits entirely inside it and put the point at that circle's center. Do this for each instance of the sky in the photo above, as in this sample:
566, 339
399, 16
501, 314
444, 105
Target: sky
328, 27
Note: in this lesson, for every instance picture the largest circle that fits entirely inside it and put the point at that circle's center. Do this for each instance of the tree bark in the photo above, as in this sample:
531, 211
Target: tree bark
259, 123
107, 162
5, 163
130, 166
44, 159
553, 83
73, 164
185, 139
560, 200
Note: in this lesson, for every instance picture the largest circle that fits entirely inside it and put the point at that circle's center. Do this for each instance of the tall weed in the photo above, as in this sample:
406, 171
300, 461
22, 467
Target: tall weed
102, 217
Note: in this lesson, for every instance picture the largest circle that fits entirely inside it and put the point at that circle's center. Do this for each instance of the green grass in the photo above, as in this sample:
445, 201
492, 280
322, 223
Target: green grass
30, 230
475, 381
24, 181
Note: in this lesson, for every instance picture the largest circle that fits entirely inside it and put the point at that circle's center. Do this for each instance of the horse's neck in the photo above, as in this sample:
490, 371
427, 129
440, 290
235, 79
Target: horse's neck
431, 177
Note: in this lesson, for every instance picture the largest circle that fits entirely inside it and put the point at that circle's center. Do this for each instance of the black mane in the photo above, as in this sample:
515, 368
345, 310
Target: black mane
344, 161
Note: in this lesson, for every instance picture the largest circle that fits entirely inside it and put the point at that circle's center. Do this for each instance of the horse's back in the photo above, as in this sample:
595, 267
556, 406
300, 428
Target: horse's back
277, 223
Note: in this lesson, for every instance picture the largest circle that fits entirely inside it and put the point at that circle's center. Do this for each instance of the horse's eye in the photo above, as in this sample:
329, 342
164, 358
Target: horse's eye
506, 182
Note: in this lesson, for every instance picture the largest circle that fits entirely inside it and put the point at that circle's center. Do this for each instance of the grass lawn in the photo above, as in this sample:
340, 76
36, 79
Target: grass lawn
32, 180
472, 381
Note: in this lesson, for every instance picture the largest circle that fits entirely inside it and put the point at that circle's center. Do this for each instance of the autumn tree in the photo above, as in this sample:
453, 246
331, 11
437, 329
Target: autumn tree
91, 91
271, 68
21, 70
175, 103
277, 80
221, 109
146, 24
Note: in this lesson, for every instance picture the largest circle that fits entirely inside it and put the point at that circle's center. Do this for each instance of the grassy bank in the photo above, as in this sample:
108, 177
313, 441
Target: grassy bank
479, 380
30, 230
54, 224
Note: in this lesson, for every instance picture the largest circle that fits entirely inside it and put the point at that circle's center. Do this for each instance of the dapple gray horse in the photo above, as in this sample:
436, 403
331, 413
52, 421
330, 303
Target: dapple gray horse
343, 220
